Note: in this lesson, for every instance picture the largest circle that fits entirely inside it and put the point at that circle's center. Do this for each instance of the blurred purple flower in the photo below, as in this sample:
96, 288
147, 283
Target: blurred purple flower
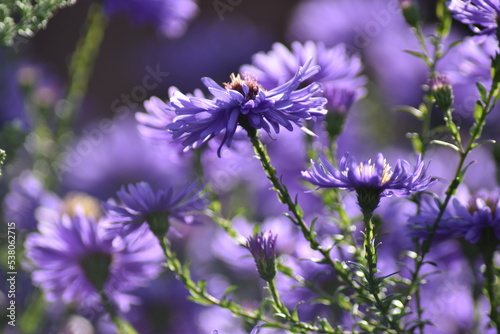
171, 16
44, 90
263, 249
165, 308
482, 15
159, 115
255, 330
140, 204
105, 158
420, 225
339, 99
374, 29
469, 221
465, 64
73, 259
243, 102
353, 175
26, 195
279, 65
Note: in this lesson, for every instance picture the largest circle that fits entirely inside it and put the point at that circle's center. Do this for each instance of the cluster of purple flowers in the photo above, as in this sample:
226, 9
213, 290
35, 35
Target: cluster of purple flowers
99, 244
75, 258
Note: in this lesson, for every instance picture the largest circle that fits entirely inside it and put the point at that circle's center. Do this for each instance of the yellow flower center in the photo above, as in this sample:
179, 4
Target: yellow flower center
87, 203
369, 169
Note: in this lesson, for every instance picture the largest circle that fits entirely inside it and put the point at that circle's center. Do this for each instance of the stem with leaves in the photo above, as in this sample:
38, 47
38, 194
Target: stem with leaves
122, 326
483, 108
200, 295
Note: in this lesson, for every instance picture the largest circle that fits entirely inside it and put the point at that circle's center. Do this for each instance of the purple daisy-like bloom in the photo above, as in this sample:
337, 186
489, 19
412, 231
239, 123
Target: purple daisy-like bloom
482, 15
263, 249
470, 221
377, 175
244, 102
159, 115
140, 204
171, 16
339, 99
74, 259
279, 65
26, 195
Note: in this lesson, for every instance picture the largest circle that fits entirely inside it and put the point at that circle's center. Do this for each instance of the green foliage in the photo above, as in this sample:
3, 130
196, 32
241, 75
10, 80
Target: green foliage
26, 17
2, 158
12, 137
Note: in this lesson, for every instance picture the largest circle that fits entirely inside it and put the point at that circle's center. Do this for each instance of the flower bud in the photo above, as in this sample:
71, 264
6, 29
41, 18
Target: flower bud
411, 12
442, 91
263, 249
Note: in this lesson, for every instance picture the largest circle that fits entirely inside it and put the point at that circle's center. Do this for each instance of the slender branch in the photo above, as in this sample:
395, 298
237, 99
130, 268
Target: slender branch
200, 295
81, 65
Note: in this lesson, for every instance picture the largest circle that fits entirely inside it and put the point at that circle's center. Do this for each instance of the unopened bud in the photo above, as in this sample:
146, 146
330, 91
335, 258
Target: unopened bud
442, 91
263, 249
411, 12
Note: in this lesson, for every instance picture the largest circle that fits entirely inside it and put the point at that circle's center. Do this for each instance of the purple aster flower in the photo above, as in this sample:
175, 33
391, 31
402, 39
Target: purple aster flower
468, 63
159, 115
370, 180
353, 175
263, 249
339, 99
482, 15
279, 65
91, 164
171, 16
26, 196
470, 221
74, 259
140, 204
420, 225
243, 102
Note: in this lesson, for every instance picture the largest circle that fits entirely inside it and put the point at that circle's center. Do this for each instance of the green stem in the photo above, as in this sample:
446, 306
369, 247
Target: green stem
199, 292
122, 326
457, 179
284, 197
344, 274
488, 246
371, 259
280, 307
80, 69
369, 244
200, 295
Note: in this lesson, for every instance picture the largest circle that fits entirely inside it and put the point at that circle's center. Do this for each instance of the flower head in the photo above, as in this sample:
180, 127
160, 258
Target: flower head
339, 99
353, 175
26, 196
140, 204
370, 179
243, 102
171, 16
478, 217
279, 65
74, 259
263, 249
482, 15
